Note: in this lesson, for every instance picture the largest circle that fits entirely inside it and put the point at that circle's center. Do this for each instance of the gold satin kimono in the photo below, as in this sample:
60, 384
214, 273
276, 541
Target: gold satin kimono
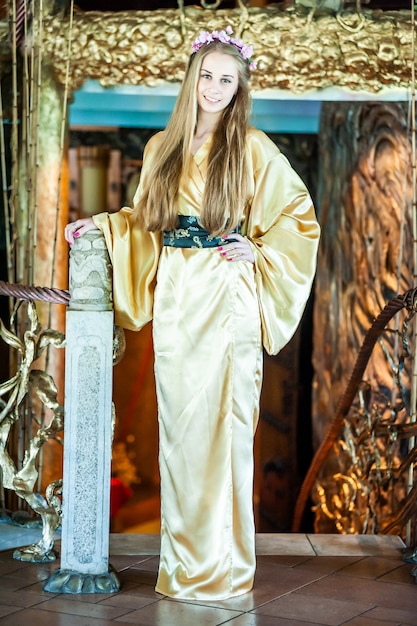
211, 318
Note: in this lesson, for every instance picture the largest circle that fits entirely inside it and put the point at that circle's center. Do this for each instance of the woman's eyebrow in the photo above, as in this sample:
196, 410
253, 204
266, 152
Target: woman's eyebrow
223, 75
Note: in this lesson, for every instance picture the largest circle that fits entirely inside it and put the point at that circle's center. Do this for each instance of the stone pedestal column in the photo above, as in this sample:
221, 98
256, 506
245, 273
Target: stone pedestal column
88, 424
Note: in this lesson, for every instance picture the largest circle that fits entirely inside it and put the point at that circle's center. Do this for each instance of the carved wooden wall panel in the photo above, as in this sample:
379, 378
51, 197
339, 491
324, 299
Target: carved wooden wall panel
365, 200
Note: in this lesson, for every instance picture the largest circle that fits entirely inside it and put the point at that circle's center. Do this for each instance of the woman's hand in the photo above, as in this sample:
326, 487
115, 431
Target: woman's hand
78, 228
239, 250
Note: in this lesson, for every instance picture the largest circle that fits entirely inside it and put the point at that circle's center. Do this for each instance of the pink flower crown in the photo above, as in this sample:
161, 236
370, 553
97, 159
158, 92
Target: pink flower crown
224, 36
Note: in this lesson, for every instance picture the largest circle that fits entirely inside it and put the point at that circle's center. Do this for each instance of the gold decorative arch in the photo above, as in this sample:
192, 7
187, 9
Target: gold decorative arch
297, 50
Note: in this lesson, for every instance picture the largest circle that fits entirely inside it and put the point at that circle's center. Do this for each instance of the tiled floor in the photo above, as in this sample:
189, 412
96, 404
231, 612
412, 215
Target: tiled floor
300, 580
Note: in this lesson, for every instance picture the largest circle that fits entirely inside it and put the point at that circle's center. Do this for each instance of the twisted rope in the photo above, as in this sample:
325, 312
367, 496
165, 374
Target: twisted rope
24, 292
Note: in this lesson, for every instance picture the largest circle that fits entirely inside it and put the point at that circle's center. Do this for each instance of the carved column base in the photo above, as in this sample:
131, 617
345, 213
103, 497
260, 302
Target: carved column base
67, 581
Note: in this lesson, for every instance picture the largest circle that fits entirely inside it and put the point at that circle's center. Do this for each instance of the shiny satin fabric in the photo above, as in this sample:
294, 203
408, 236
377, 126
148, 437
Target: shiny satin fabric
210, 320
208, 370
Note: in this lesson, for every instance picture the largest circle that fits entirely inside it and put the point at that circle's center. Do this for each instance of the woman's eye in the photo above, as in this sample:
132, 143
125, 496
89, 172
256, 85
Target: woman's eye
205, 76
226, 80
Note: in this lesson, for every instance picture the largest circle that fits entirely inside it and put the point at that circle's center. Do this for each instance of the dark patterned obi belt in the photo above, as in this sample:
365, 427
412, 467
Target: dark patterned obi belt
190, 234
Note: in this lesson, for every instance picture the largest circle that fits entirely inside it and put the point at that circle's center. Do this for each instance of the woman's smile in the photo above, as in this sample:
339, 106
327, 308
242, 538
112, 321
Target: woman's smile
211, 99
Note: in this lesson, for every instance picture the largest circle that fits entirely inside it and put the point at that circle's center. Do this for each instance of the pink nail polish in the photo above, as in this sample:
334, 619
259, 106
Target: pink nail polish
220, 248
76, 234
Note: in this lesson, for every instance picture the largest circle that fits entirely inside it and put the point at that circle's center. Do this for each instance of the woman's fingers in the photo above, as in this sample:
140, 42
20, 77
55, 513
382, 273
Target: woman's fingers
78, 228
238, 250
69, 233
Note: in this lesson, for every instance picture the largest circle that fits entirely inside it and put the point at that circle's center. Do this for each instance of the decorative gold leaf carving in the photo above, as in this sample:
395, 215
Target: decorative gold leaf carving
23, 480
297, 50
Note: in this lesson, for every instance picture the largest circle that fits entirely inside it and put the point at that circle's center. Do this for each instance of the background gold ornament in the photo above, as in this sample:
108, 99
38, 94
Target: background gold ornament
297, 49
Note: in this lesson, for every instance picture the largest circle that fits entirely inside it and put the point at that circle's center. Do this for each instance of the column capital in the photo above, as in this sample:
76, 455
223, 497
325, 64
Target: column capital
90, 277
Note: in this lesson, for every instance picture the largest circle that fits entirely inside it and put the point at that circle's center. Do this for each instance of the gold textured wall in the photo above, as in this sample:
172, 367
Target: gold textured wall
297, 50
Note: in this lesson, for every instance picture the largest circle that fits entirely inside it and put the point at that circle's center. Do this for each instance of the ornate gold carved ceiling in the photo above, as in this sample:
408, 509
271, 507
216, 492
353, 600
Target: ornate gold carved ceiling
297, 50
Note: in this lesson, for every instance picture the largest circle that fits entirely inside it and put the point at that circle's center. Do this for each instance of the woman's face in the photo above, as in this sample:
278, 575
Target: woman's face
217, 84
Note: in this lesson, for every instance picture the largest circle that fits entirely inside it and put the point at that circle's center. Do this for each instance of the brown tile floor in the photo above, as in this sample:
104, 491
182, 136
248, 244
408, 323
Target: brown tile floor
300, 580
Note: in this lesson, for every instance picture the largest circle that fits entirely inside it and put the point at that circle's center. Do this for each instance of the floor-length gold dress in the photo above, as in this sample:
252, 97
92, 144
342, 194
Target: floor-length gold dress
211, 318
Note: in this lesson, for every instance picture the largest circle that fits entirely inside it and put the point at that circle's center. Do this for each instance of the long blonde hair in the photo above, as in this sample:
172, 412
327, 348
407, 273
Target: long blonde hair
226, 188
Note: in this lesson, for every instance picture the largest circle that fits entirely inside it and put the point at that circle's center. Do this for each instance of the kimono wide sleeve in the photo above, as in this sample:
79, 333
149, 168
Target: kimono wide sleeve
134, 255
284, 233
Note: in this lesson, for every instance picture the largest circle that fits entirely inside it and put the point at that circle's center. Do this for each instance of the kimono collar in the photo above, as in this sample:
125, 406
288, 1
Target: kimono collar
203, 151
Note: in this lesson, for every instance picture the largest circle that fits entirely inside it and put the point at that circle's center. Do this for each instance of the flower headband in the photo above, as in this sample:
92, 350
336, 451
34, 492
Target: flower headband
224, 36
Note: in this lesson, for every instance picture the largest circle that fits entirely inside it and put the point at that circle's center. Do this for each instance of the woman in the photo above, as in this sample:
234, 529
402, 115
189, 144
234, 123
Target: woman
220, 251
